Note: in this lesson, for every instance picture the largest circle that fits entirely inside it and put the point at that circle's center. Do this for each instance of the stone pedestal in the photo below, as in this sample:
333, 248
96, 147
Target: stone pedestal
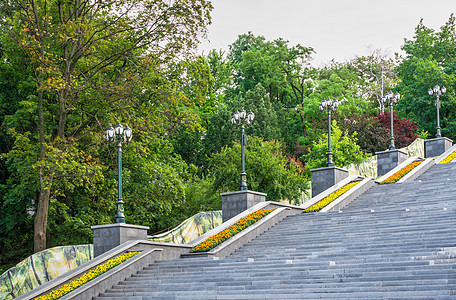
436, 147
234, 203
106, 237
324, 178
388, 160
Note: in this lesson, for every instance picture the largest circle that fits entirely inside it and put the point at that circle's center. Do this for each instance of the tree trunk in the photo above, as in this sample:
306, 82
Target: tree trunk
304, 129
39, 239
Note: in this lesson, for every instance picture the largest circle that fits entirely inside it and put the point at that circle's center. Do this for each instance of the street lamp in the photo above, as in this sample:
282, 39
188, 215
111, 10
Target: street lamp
243, 119
391, 99
116, 136
437, 91
329, 105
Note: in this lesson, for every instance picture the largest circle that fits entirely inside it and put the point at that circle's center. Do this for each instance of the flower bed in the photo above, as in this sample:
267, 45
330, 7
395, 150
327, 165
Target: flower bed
402, 172
225, 234
331, 197
74, 284
448, 158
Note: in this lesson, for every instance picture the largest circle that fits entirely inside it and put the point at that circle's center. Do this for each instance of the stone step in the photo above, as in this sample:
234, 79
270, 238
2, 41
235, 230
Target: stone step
296, 293
386, 244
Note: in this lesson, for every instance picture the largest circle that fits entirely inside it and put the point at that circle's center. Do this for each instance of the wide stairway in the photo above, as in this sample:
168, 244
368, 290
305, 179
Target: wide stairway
396, 242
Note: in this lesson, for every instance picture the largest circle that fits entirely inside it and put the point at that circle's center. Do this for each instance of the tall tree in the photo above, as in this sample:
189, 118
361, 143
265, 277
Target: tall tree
430, 60
87, 57
377, 75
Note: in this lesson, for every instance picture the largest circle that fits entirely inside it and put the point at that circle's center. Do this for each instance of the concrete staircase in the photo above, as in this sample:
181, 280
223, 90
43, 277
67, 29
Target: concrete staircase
395, 241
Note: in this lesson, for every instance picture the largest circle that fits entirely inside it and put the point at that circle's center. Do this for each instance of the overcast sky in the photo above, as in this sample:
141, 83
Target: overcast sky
338, 29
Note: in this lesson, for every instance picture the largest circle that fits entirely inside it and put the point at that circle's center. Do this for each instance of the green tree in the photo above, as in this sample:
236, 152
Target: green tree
265, 124
89, 60
343, 146
430, 60
268, 169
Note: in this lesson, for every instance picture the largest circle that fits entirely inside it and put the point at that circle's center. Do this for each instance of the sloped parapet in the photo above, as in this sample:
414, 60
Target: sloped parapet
346, 198
445, 154
42, 267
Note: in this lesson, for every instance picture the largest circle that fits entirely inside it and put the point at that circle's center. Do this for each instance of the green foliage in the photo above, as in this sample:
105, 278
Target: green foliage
371, 135
343, 146
136, 68
70, 72
154, 181
430, 60
266, 122
268, 170
423, 135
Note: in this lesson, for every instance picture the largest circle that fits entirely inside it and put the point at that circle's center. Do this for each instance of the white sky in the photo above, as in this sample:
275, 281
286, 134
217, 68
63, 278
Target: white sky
338, 29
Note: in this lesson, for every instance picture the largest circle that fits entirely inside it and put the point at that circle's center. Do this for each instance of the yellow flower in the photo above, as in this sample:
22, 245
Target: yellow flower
74, 284
331, 197
225, 234
402, 172
448, 158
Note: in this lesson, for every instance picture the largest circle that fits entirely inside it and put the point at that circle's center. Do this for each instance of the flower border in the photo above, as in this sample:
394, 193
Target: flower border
448, 158
331, 197
402, 172
99, 270
225, 234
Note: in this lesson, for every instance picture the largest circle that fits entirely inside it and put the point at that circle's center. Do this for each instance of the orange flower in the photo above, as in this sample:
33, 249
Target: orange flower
225, 234
402, 172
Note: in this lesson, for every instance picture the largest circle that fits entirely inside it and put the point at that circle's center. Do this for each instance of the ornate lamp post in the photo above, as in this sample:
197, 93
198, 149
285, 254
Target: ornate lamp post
329, 105
391, 99
116, 136
243, 119
437, 91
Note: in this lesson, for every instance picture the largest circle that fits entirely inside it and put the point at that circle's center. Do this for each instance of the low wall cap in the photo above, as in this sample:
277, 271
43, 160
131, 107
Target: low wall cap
439, 138
243, 192
119, 225
329, 168
390, 151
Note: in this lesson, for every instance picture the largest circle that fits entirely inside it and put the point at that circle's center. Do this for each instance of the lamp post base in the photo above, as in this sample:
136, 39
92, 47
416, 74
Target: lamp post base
243, 183
437, 146
234, 203
388, 160
106, 237
324, 178
120, 217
